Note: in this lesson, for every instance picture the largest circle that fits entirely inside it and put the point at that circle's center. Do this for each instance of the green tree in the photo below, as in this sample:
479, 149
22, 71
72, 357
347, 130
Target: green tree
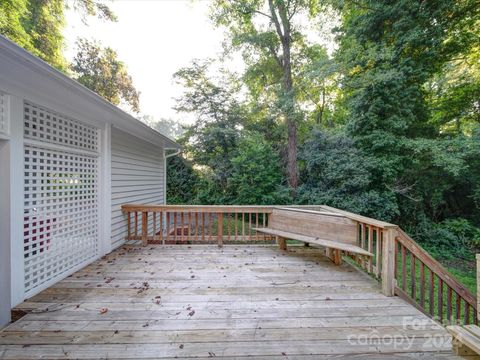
256, 177
338, 174
211, 142
389, 53
12, 15
37, 25
182, 181
268, 33
99, 69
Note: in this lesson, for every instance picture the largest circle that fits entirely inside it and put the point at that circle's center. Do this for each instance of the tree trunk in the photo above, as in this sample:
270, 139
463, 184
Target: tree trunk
292, 157
289, 114
283, 28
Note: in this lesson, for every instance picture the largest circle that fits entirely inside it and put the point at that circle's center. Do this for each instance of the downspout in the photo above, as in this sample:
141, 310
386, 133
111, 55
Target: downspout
165, 157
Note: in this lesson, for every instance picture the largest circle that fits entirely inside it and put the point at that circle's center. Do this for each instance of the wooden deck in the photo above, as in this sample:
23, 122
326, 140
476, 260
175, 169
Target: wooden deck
202, 301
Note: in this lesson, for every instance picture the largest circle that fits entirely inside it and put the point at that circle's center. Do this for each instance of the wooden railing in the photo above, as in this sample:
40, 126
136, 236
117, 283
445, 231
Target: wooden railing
172, 224
404, 268
417, 277
424, 282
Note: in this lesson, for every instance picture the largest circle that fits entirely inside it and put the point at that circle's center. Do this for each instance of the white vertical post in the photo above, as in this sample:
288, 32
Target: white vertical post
105, 193
16, 200
5, 274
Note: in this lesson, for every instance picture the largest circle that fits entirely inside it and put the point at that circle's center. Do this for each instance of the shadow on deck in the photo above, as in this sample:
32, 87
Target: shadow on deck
203, 301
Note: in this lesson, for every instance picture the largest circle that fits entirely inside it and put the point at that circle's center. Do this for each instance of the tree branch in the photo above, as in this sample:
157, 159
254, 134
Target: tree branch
294, 11
275, 20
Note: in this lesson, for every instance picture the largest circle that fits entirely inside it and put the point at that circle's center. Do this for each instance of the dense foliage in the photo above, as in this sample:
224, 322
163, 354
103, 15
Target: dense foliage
99, 69
388, 125
37, 26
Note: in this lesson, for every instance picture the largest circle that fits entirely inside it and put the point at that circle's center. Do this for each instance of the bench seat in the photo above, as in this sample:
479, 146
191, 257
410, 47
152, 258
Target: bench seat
314, 240
466, 339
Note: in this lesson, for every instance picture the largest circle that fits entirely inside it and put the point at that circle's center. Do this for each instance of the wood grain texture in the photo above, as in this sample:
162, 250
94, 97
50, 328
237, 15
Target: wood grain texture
239, 301
316, 224
314, 240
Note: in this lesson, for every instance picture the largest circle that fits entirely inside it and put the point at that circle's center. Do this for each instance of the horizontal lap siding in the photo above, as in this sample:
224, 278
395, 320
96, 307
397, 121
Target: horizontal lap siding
137, 177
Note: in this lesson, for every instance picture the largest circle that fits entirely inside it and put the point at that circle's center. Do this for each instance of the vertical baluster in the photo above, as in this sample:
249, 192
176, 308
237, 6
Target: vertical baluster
182, 225
458, 308
363, 241
404, 268
440, 299
378, 255
431, 293
243, 225
264, 224
370, 249
175, 214
196, 227
136, 225
422, 285
203, 226
144, 228
413, 277
129, 226
154, 226
227, 218
220, 229
397, 258
256, 225
167, 235
449, 304
236, 226
211, 220
466, 319
161, 227
250, 226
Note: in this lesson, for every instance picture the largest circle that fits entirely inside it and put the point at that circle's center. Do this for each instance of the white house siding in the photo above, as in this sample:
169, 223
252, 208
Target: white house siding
137, 177
69, 146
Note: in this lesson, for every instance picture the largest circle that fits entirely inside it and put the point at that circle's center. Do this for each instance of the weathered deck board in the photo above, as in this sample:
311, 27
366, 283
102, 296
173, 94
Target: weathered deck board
239, 301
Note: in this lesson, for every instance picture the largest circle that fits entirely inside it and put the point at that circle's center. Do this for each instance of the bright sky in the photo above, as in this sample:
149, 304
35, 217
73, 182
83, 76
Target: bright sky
154, 38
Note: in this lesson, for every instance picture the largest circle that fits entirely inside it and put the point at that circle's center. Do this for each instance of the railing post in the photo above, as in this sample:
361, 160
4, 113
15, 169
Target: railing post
220, 229
144, 228
388, 262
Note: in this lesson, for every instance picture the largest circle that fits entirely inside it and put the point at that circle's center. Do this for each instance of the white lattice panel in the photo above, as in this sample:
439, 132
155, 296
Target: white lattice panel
4, 120
60, 195
61, 213
47, 126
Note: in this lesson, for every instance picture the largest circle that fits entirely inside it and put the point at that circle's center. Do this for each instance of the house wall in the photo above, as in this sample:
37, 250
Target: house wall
137, 177
26, 79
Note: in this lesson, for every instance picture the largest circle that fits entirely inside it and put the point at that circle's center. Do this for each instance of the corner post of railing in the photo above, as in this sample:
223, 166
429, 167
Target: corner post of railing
388, 261
220, 229
144, 228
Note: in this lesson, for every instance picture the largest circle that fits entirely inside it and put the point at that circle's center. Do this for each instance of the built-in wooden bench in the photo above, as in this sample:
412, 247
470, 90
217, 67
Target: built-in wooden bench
466, 340
333, 231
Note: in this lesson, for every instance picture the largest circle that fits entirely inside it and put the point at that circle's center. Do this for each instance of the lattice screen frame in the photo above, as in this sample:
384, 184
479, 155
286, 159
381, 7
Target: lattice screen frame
4, 114
61, 196
42, 124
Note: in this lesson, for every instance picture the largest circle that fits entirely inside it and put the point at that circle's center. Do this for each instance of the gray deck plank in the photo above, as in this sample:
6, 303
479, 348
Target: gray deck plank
201, 302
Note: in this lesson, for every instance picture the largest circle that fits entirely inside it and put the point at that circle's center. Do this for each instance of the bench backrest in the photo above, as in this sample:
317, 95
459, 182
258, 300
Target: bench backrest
323, 225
